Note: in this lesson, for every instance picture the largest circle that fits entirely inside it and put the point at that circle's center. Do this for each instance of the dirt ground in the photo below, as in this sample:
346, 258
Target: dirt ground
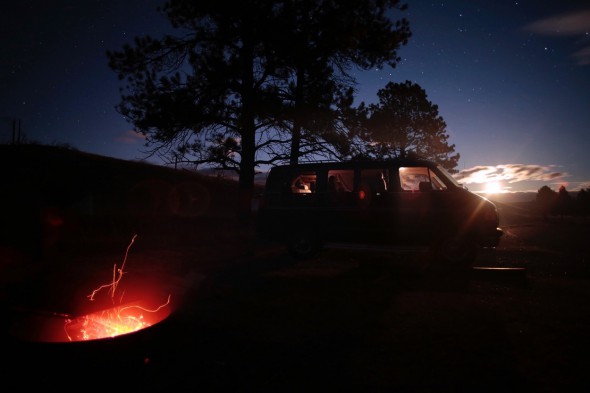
247, 317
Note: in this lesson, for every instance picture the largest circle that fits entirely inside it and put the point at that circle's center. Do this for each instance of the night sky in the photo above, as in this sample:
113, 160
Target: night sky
511, 80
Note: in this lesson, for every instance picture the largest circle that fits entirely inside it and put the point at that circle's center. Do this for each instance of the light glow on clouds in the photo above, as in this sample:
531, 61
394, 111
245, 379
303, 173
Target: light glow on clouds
508, 173
131, 136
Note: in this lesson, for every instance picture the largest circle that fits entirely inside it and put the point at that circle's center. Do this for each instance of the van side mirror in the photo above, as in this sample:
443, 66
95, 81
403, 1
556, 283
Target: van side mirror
425, 186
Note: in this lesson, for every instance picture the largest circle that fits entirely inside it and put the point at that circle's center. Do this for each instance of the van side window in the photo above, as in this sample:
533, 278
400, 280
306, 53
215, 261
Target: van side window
340, 180
303, 183
411, 177
340, 187
437, 183
375, 181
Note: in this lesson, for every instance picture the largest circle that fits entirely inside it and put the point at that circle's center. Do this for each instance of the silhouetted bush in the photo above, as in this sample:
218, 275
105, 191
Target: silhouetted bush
564, 204
546, 200
583, 202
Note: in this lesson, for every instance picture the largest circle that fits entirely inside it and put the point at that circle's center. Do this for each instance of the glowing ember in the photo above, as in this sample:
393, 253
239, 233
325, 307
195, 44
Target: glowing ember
109, 323
117, 320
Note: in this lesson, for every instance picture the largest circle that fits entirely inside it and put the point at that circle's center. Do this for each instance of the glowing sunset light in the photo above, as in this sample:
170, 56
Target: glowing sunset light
491, 175
493, 187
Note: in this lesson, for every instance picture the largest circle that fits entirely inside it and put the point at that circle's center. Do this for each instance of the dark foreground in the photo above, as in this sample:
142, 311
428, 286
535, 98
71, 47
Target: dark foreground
247, 317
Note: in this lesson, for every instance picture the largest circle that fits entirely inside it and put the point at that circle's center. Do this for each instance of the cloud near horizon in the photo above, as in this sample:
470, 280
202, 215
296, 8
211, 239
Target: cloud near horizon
510, 173
131, 136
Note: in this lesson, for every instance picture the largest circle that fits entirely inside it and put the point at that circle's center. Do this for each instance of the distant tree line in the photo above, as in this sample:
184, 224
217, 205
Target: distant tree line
254, 83
561, 203
25, 141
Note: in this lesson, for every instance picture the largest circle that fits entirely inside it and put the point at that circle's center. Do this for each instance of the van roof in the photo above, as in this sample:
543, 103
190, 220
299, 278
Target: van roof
359, 163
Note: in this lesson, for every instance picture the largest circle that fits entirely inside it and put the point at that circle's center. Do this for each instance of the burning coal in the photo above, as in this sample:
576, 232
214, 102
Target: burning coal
116, 321
113, 322
119, 317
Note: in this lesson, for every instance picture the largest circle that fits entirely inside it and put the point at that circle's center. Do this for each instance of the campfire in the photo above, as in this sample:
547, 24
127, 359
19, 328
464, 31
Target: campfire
113, 322
119, 318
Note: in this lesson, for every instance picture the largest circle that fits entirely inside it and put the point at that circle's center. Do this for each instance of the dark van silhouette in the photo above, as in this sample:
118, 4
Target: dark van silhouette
393, 203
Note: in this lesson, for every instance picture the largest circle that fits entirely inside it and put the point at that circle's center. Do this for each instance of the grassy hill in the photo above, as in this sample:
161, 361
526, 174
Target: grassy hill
68, 178
52, 194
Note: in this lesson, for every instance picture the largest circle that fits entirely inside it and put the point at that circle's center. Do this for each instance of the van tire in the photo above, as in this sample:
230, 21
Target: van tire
303, 245
456, 252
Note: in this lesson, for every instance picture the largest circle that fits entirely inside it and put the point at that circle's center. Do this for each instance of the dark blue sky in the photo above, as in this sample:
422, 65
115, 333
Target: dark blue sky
511, 80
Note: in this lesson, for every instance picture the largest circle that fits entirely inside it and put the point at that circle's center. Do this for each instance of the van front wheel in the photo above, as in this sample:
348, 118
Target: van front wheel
302, 245
456, 251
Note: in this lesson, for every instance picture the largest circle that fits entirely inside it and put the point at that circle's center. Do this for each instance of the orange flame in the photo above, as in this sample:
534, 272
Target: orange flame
117, 320
111, 323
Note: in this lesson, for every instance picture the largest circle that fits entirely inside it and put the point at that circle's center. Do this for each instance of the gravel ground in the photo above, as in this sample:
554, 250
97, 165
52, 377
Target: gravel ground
247, 317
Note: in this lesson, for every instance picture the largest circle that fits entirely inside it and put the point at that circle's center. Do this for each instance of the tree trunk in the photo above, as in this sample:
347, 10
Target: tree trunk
248, 135
296, 131
247, 172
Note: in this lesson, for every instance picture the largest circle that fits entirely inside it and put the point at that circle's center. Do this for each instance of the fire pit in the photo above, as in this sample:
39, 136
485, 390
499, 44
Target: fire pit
103, 314
115, 329
44, 326
121, 347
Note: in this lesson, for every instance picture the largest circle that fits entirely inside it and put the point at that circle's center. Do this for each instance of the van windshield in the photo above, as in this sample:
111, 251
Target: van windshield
444, 173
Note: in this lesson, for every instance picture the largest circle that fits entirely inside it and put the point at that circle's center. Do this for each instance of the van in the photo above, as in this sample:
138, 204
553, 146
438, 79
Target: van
409, 204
